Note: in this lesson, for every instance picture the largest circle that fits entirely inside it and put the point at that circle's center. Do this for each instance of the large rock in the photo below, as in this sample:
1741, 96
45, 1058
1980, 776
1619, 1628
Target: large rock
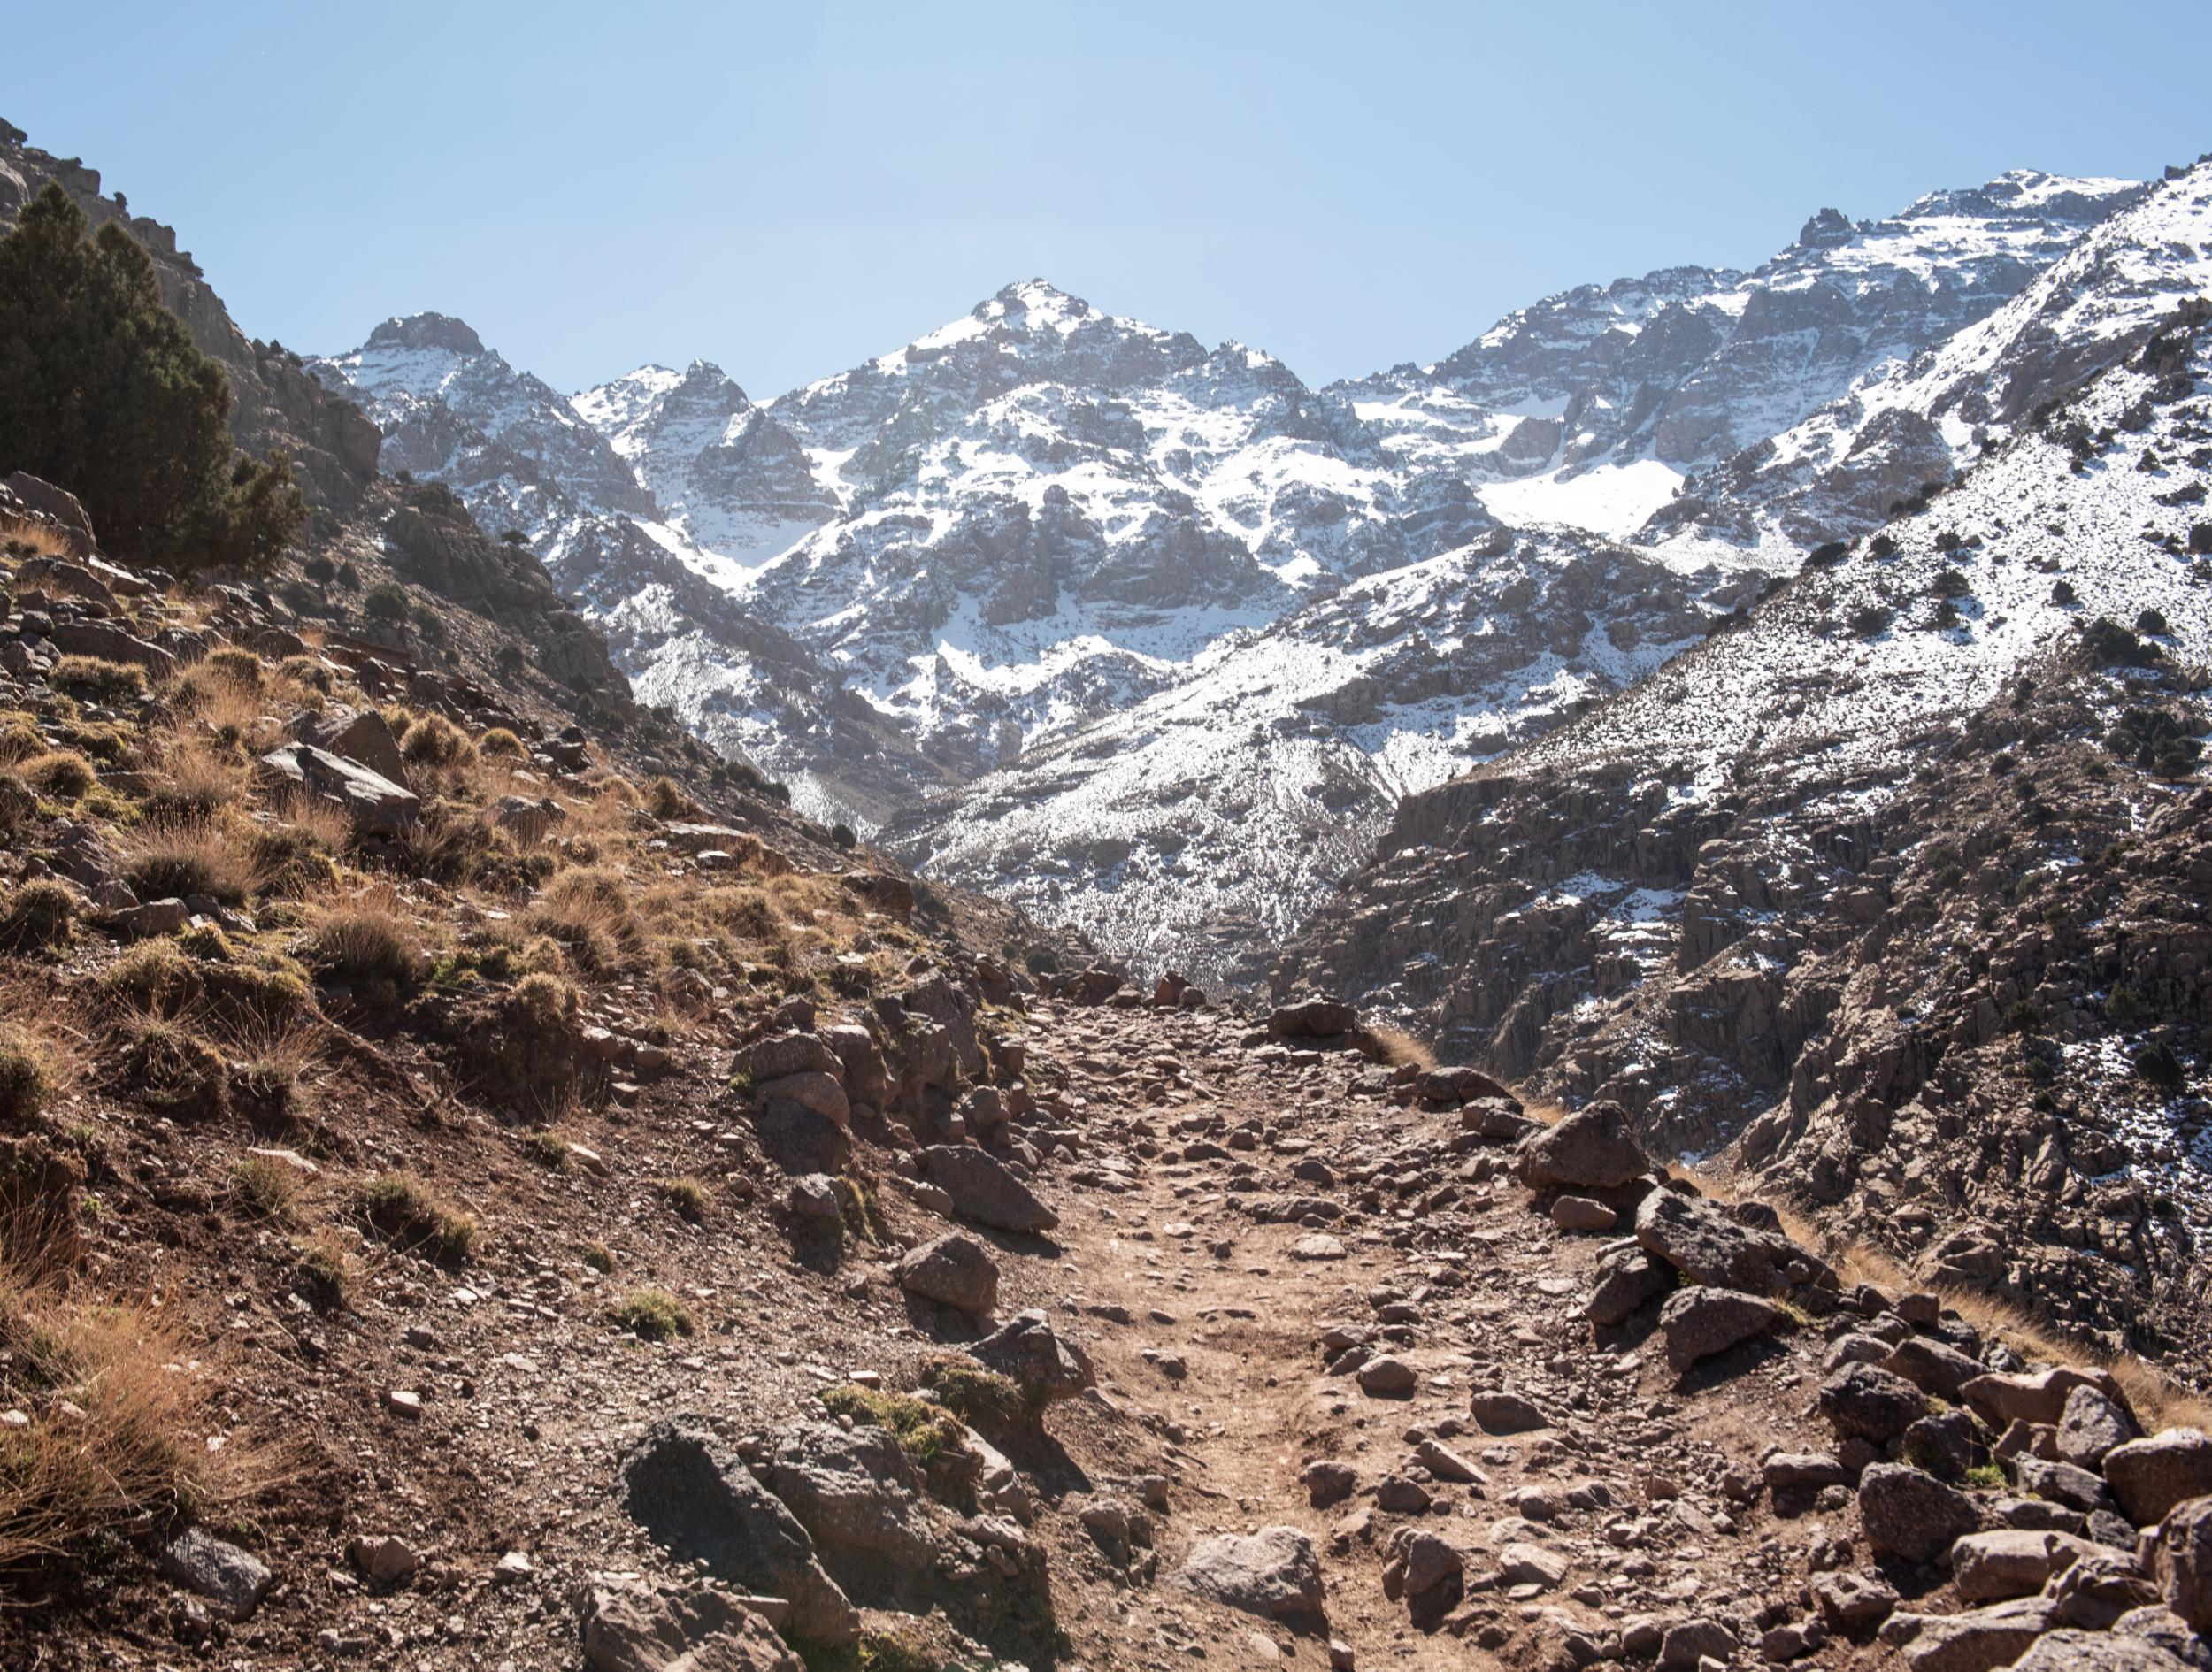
368, 740
1699, 1323
1626, 1279
1988, 1566
112, 644
1972, 1640
1869, 1402
1912, 1515
699, 1500
2067, 1649
956, 1271
234, 1580
854, 1491
64, 513
2092, 1426
370, 800
1273, 1572
2067, 1484
1045, 1365
983, 1190
2181, 1562
824, 1093
2095, 1590
2149, 1476
2032, 1396
1702, 1241
2163, 1628
1312, 1019
1591, 1149
784, 1055
627, 1625
1933, 1367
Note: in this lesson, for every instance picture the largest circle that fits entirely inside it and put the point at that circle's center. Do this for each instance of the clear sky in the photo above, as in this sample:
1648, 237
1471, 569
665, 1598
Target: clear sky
788, 189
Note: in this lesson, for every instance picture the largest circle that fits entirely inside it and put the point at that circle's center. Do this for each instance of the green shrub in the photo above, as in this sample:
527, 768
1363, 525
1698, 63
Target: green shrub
929, 1434
262, 1189
103, 392
405, 1212
654, 1315
36, 916
386, 604
99, 680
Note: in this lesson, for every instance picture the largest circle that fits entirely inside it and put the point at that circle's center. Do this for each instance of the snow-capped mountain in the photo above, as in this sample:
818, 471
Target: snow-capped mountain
1073, 607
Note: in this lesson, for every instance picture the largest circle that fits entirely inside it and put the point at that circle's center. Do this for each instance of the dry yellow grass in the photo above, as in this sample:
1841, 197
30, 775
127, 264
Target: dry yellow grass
178, 857
2158, 1401
1401, 1048
35, 539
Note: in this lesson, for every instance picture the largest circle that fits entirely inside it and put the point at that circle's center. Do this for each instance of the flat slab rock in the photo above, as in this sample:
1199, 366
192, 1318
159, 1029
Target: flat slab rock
696, 1626
983, 1190
1272, 1572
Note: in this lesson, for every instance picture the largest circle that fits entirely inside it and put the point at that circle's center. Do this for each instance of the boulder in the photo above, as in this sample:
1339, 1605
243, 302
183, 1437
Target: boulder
2093, 1424
1449, 1087
2163, 1628
781, 1055
1933, 1367
1988, 1566
693, 1625
58, 507
368, 740
1626, 1279
1580, 1214
855, 1492
1699, 1323
112, 644
1386, 1377
2032, 1396
701, 1502
1972, 1640
2066, 1484
822, 1093
234, 1580
2181, 1562
1804, 1471
982, 1189
2093, 1591
1311, 1019
1273, 1572
1043, 1364
1502, 1413
1591, 1149
2149, 1476
954, 1270
370, 801
1863, 1400
2067, 1649
1912, 1515
1700, 1239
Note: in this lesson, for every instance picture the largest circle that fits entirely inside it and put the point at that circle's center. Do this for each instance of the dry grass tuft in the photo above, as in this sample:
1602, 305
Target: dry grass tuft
587, 911
406, 1212
1400, 1048
368, 942
175, 859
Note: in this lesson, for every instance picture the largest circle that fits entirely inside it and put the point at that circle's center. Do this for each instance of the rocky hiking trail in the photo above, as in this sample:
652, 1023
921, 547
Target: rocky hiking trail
1348, 1406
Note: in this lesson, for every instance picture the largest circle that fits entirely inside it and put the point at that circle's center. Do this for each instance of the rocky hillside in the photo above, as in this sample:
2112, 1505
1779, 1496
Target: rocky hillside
1892, 889
1043, 551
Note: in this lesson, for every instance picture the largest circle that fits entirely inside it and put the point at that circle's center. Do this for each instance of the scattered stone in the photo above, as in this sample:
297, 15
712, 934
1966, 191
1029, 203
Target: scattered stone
1804, 1471
1974, 1640
385, 1561
234, 1580
1387, 1378
1317, 1245
1627, 1278
1686, 1646
1328, 1481
1499, 1413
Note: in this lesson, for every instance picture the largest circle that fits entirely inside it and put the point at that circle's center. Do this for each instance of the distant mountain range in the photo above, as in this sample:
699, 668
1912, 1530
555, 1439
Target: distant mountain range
1152, 637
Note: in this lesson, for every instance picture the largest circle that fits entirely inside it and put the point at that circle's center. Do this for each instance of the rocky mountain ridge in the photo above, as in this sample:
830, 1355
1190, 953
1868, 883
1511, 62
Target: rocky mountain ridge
1029, 560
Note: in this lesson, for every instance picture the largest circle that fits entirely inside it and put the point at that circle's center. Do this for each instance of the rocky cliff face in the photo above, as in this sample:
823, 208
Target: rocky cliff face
1852, 887
276, 402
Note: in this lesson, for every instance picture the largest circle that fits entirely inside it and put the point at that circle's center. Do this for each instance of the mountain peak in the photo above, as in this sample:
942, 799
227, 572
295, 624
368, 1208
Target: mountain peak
426, 331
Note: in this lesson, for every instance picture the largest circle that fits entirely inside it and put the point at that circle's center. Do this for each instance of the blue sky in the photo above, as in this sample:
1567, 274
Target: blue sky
787, 190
